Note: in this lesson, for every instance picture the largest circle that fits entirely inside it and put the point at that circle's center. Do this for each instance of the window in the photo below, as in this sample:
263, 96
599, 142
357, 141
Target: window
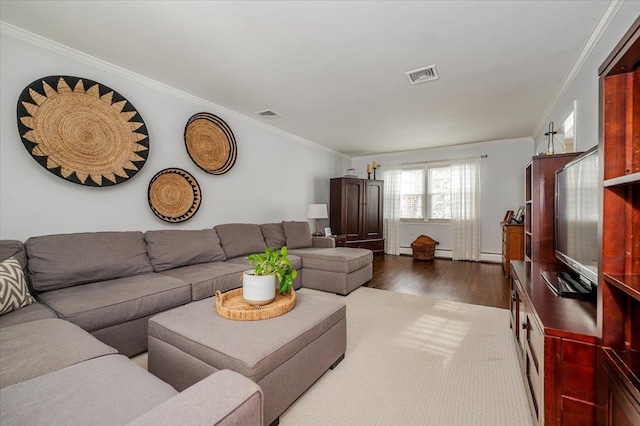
425, 193
412, 194
439, 192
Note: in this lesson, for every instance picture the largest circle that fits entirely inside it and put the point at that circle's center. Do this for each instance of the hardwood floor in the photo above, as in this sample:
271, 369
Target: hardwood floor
467, 282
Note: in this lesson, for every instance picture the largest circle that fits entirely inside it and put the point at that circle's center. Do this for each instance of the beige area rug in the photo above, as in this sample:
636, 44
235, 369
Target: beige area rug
413, 360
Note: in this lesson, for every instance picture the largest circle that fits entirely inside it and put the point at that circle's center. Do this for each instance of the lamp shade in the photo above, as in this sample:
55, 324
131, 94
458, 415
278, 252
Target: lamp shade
317, 211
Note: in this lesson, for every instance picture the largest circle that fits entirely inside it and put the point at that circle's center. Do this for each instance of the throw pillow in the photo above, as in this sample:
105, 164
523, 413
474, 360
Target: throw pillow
298, 234
13, 287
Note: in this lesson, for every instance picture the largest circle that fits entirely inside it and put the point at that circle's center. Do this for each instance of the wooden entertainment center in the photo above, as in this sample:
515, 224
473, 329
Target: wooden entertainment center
580, 358
555, 337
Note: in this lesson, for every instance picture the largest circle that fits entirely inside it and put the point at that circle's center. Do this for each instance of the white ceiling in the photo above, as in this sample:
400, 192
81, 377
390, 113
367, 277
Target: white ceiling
335, 70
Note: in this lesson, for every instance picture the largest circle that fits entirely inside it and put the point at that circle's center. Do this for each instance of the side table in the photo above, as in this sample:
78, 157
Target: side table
341, 240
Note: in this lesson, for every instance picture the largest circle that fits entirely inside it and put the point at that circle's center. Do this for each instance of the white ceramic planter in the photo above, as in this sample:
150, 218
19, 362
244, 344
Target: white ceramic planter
258, 289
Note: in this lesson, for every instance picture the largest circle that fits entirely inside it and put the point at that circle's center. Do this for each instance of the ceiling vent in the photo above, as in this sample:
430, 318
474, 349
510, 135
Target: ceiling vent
422, 75
268, 114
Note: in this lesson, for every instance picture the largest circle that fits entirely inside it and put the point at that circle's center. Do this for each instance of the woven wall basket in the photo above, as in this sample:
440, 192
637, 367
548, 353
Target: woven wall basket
174, 195
210, 143
82, 131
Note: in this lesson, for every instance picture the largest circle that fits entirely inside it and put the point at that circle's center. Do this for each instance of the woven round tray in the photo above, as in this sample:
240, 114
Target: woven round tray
231, 305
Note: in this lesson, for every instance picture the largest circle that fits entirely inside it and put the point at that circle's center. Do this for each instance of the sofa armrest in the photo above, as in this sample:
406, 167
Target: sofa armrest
224, 398
324, 242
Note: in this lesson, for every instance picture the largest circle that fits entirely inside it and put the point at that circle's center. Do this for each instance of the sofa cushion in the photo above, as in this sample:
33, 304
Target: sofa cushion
206, 278
13, 248
338, 259
13, 287
16, 249
98, 305
35, 348
33, 312
58, 261
240, 239
174, 248
109, 390
298, 234
273, 234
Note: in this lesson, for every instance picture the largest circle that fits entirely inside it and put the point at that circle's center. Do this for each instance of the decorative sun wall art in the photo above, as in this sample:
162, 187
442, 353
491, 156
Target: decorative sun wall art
82, 131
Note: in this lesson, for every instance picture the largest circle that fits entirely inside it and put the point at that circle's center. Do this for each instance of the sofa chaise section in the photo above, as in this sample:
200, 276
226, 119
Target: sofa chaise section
39, 347
113, 390
338, 270
54, 372
103, 282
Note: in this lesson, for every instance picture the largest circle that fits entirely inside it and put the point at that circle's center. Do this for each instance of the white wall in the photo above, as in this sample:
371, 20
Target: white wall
584, 89
274, 177
502, 187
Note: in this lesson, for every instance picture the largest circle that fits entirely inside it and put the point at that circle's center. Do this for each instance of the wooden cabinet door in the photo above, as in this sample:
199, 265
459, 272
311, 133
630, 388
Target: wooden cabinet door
373, 209
353, 208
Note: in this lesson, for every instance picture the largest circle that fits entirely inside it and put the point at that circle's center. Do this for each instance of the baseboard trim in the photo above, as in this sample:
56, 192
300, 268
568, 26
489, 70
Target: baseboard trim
446, 254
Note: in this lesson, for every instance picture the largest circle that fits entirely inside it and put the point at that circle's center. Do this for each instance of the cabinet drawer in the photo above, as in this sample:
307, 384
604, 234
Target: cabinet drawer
535, 385
535, 342
377, 246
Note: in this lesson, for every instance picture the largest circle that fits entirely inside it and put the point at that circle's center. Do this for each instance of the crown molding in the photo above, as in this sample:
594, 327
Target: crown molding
442, 148
604, 22
61, 49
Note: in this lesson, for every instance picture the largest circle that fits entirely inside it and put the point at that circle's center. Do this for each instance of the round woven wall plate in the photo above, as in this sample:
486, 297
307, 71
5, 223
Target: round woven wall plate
174, 195
82, 131
210, 143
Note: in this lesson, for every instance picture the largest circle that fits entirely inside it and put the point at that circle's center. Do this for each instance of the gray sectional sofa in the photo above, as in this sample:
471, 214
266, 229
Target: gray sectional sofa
105, 286
53, 372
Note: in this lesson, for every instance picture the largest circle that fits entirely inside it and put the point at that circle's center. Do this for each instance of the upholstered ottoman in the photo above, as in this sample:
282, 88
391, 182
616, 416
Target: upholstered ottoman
339, 270
283, 355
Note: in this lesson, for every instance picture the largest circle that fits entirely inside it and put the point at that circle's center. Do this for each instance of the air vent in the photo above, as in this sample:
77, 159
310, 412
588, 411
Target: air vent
268, 114
422, 75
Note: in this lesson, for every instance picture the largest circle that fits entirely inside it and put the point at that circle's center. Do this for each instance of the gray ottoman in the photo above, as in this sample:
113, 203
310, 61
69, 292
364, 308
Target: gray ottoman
283, 355
339, 270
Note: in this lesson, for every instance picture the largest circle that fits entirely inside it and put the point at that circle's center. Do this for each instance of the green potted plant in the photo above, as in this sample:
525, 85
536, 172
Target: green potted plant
259, 284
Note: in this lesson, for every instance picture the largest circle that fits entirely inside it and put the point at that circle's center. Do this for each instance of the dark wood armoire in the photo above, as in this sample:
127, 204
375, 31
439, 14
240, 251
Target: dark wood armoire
356, 210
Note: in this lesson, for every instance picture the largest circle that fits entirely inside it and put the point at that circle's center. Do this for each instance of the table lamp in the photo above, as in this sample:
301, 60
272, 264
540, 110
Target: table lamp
317, 212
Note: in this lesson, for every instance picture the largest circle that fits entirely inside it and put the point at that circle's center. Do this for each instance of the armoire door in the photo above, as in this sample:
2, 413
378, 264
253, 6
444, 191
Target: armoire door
353, 206
373, 209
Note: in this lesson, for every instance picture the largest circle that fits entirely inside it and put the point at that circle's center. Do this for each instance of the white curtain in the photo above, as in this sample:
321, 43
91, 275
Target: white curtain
465, 208
392, 180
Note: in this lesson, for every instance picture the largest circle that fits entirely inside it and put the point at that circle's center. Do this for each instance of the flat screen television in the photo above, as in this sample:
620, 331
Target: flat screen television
576, 218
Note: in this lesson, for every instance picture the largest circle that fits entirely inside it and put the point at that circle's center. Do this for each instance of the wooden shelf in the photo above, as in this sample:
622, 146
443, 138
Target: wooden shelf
540, 177
619, 284
629, 283
622, 180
